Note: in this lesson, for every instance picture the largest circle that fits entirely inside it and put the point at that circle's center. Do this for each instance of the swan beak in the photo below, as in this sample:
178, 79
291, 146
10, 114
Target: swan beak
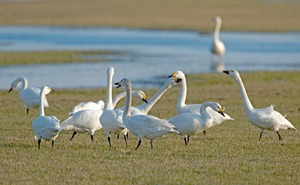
226, 72
172, 75
52, 91
118, 85
222, 113
145, 100
10, 90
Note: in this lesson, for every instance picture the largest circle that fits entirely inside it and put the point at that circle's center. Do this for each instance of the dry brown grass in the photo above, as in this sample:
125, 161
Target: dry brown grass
238, 15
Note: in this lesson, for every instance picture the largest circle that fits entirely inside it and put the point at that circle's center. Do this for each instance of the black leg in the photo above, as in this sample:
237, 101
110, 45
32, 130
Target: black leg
280, 138
151, 143
188, 138
118, 136
27, 111
74, 133
260, 135
92, 137
39, 144
139, 143
108, 138
52, 143
204, 132
125, 137
185, 140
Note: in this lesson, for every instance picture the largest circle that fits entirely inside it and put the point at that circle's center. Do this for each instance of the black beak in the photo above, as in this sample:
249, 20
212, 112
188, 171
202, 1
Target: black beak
170, 76
145, 100
226, 72
10, 90
118, 85
178, 80
222, 113
52, 91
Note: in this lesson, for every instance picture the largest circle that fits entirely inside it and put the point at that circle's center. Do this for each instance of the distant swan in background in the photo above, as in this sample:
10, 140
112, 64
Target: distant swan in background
45, 127
143, 126
182, 107
218, 48
264, 118
188, 124
29, 95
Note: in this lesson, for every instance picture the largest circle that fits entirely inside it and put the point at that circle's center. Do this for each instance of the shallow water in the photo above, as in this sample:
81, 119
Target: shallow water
148, 56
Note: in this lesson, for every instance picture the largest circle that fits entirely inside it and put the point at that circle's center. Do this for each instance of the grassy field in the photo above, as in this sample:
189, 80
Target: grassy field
228, 154
45, 57
238, 15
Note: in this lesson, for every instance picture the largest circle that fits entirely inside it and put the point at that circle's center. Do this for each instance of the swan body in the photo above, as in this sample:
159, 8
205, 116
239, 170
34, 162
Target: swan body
100, 104
264, 118
188, 124
143, 126
29, 95
182, 107
83, 121
218, 47
45, 127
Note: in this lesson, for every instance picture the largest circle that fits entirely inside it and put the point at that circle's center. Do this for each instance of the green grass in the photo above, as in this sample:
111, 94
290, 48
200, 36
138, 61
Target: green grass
45, 57
238, 15
230, 153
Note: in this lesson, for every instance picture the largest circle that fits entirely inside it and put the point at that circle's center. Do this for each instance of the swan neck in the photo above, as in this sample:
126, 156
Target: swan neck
41, 107
24, 83
108, 98
247, 104
183, 93
204, 115
117, 98
128, 100
155, 98
217, 30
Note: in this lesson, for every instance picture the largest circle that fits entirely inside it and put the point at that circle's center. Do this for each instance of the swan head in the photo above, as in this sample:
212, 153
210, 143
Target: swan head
177, 76
171, 81
233, 74
140, 94
216, 107
16, 84
217, 19
110, 71
123, 83
46, 90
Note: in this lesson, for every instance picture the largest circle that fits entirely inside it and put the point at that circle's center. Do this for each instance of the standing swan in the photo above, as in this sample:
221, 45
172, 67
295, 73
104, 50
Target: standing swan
45, 127
190, 123
218, 47
143, 126
194, 108
264, 118
29, 95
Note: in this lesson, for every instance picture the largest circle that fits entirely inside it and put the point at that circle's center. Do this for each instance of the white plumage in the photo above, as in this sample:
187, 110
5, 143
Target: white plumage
29, 95
264, 118
218, 47
188, 124
182, 107
143, 126
45, 127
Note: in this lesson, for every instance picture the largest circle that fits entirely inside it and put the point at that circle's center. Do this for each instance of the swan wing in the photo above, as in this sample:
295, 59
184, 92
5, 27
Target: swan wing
46, 127
87, 105
187, 123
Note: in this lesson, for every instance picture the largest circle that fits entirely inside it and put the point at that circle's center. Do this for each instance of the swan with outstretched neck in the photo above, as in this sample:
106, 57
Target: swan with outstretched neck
29, 95
143, 126
188, 124
182, 107
45, 127
264, 118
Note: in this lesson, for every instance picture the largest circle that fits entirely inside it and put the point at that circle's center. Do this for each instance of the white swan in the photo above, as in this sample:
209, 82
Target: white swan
45, 127
29, 95
188, 124
100, 104
144, 108
143, 126
264, 118
218, 47
182, 107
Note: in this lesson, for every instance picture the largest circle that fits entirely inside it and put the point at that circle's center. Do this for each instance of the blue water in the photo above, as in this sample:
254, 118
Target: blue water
147, 56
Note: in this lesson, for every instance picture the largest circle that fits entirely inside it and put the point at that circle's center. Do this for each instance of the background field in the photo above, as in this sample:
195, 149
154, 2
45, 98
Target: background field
228, 154
238, 15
